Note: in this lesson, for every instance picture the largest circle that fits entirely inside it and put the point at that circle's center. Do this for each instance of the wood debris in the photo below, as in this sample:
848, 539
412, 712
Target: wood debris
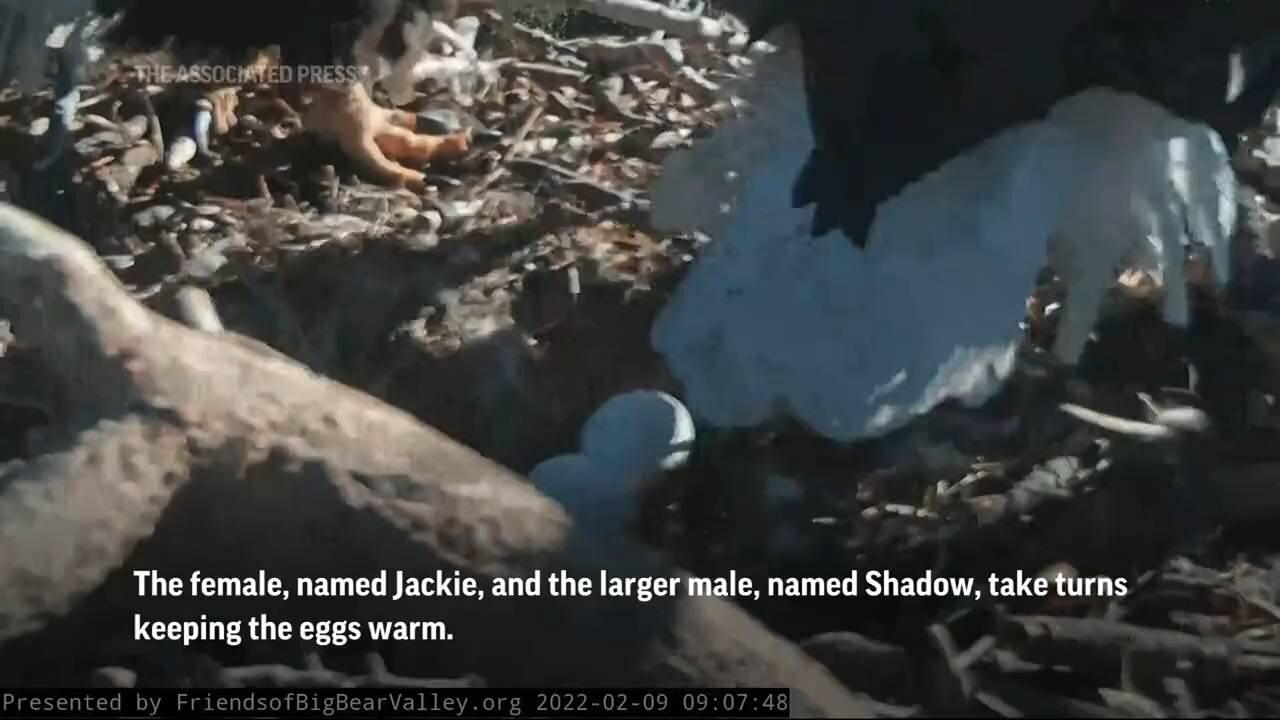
495, 307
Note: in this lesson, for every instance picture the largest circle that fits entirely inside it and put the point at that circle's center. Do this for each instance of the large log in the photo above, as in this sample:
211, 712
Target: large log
209, 452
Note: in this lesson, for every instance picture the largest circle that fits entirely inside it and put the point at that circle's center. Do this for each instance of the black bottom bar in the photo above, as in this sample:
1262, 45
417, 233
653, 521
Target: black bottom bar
401, 703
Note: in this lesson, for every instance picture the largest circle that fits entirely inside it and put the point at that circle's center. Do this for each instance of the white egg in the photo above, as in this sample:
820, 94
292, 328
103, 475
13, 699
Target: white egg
593, 495
564, 477
638, 433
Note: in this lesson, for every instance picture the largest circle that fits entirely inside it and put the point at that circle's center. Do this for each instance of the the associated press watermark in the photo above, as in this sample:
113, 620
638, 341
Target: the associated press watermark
249, 74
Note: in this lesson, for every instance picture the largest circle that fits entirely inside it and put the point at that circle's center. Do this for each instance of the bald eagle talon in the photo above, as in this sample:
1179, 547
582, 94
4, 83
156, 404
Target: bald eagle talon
380, 140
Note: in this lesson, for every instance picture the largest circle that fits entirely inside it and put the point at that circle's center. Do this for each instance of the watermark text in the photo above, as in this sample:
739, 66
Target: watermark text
248, 74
